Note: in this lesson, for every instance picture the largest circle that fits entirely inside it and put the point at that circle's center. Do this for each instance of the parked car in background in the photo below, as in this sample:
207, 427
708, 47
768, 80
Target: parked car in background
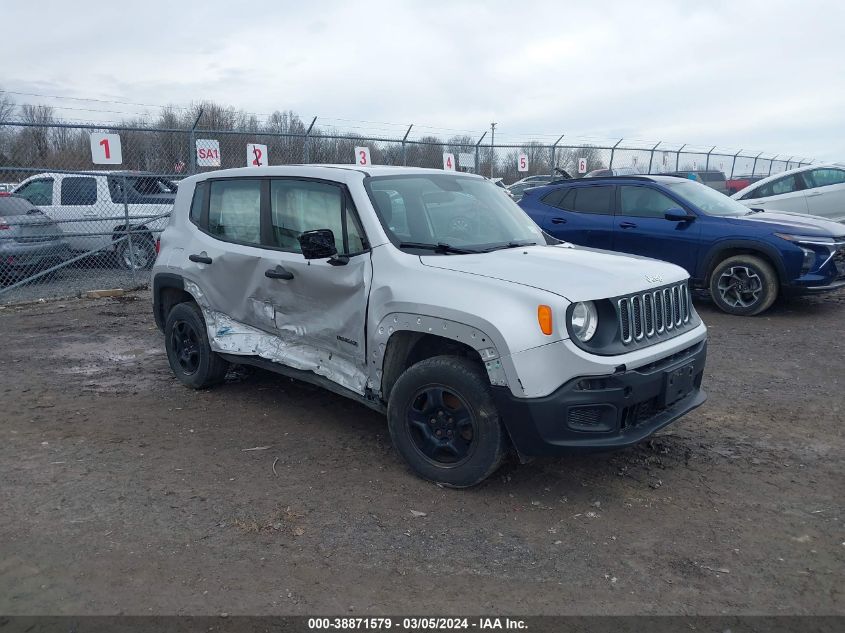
517, 190
91, 208
713, 178
307, 271
744, 258
616, 171
738, 183
538, 179
28, 238
6, 188
813, 190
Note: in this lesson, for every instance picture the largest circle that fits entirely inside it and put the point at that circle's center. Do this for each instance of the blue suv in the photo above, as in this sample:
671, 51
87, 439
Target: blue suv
744, 257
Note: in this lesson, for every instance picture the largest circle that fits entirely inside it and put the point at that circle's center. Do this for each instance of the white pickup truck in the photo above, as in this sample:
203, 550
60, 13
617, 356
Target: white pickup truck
432, 297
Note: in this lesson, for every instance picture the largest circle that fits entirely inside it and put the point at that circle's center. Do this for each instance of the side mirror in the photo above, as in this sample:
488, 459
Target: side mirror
678, 215
317, 244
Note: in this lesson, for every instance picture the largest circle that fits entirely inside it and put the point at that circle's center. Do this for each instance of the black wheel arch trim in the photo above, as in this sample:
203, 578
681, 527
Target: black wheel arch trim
712, 258
160, 282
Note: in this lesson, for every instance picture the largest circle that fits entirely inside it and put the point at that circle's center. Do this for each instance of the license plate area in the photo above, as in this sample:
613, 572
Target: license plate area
678, 383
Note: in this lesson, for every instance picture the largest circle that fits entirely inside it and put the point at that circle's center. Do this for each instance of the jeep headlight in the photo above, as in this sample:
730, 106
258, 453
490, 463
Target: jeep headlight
583, 320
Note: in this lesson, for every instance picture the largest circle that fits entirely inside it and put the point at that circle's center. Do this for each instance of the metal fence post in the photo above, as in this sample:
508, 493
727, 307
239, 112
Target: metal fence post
733, 162
306, 148
128, 231
193, 142
788, 161
554, 156
754, 168
477, 155
492, 146
678, 157
707, 162
404, 139
651, 156
772, 162
613, 151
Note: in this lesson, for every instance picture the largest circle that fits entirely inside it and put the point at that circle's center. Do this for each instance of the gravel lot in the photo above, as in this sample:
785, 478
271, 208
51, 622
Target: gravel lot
124, 492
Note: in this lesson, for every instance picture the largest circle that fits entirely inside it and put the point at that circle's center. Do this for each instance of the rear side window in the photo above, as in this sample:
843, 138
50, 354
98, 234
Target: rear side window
787, 184
198, 201
234, 210
37, 191
79, 191
824, 177
591, 200
10, 205
644, 202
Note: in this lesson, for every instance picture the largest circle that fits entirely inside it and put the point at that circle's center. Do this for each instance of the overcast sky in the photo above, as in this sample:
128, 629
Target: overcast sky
744, 74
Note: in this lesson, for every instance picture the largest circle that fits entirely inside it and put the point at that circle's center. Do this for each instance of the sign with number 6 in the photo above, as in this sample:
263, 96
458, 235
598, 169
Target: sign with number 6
582, 165
448, 161
362, 156
522, 162
105, 149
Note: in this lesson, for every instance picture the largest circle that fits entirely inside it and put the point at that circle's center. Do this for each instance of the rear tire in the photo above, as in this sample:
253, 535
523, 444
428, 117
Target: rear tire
143, 249
443, 421
188, 350
744, 285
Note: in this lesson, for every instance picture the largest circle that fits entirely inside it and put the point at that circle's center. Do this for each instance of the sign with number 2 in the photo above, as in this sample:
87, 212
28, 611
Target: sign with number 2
105, 149
362, 156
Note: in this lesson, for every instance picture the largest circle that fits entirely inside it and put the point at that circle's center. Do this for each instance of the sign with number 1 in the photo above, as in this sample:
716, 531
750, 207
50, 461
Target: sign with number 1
105, 149
208, 152
362, 156
448, 161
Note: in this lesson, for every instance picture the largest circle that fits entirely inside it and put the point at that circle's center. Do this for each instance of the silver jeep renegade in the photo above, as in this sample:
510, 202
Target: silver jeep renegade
429, 296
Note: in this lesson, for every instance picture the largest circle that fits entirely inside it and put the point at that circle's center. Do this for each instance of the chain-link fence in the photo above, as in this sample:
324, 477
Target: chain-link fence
89, 201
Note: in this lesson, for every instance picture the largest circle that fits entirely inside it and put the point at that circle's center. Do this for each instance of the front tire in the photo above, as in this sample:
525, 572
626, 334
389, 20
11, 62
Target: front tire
141, 256
189, 353
744, 285
443, 422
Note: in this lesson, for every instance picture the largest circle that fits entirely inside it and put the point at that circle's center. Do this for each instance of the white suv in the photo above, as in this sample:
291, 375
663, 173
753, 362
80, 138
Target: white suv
428, 296
91, 208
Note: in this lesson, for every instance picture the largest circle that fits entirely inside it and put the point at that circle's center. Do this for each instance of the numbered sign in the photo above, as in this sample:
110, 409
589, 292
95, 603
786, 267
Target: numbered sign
208, 153
522, 162
256, 155
582, 165
362, 156
448, 161
105, 149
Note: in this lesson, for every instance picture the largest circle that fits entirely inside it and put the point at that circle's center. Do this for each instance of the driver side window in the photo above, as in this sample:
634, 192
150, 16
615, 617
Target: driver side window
644, 202
38, 192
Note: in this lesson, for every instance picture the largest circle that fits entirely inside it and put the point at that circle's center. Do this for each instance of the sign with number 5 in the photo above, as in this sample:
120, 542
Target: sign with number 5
522, 163
448, 161
362, 156
105, 149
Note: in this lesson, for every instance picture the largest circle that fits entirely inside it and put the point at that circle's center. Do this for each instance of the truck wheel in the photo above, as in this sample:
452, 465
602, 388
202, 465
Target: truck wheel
141, 256
744, 285
443, 422
188, 351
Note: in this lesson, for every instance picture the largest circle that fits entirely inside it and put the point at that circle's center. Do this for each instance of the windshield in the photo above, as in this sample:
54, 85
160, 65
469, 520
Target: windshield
707, 199
468, 213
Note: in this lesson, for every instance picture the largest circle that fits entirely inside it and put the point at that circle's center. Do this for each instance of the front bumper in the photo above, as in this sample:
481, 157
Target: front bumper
595, 413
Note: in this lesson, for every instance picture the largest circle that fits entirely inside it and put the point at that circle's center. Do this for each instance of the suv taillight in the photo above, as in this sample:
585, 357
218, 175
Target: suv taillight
4, 226
158, 246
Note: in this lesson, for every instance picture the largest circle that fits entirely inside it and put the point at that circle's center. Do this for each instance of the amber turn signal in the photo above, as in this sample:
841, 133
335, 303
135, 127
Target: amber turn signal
544, 318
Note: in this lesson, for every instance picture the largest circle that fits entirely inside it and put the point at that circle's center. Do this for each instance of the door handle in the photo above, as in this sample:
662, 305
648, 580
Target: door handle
558, 220
278, 272
200, 259
627, 225
815, 193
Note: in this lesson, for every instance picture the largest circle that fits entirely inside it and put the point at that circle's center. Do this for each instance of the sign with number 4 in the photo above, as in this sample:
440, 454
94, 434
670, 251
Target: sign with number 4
362, 156
448, 161
256, 155
522, 163
582, 165
105, 149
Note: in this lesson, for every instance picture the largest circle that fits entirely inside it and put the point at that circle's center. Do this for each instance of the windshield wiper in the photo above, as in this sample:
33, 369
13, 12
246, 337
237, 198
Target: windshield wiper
439, 248
512, 244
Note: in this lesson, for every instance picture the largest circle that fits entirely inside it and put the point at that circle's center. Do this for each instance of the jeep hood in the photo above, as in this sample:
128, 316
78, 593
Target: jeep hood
575, 273
796, 223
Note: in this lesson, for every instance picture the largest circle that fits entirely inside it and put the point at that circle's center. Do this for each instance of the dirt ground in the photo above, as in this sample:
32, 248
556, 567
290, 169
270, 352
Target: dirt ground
124, 492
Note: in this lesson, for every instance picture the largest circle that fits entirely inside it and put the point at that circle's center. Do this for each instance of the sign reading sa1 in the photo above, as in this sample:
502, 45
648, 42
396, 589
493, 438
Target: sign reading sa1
105, 149
362, 156
582, 165
208, 153
522, 162
448, 161
256, 155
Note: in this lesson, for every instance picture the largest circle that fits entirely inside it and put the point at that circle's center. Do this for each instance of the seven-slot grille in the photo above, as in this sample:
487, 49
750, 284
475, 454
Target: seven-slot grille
654, 313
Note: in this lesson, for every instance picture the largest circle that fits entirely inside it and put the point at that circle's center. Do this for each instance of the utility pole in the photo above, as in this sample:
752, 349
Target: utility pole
492, 149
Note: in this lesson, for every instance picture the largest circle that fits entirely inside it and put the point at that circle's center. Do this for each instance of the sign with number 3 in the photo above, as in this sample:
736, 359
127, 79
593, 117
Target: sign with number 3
362, 156
105, 149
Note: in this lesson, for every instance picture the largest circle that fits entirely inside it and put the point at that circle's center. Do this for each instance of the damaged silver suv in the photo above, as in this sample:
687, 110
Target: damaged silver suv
429, 296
